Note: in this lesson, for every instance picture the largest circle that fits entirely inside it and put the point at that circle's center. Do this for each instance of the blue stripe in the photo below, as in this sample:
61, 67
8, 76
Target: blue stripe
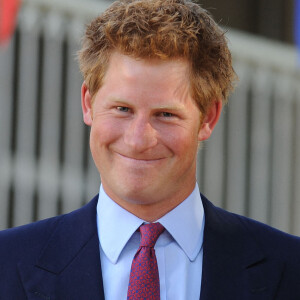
297, 23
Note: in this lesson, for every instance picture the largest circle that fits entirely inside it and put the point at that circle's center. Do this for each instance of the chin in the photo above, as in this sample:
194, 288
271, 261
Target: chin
137, 194
131, 187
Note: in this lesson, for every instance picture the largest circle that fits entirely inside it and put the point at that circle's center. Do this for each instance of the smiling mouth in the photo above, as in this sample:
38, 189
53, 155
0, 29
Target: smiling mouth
140, 159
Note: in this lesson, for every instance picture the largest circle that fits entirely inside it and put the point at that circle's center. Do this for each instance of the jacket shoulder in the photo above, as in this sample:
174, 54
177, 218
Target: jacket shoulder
250, 252
19, 242
43, 247
267, 237
27, 241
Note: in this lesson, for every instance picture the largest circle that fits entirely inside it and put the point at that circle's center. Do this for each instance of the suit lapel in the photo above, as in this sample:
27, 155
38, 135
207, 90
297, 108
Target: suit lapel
69, 266
234, 266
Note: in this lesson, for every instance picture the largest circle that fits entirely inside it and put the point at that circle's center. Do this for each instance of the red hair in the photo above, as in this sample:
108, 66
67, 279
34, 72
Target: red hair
163, 29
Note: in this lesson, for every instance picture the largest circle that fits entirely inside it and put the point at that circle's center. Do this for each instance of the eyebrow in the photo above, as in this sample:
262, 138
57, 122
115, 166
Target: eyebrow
118, 100
158, 107
169, 107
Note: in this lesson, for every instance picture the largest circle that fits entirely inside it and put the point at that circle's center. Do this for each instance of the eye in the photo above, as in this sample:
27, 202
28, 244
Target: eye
167, 114
123, 108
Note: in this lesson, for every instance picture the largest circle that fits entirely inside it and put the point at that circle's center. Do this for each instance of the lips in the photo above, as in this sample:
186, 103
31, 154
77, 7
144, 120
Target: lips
140, 159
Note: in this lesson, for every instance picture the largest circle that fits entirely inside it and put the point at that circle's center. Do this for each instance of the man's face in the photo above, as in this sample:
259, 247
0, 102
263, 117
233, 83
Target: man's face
145, 129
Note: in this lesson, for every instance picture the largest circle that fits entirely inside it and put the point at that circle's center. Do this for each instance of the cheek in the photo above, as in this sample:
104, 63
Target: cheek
103, 133
182, 140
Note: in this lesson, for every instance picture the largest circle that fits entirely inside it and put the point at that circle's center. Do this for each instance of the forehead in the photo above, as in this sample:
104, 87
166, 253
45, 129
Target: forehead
147, 84
133, 64
124, 70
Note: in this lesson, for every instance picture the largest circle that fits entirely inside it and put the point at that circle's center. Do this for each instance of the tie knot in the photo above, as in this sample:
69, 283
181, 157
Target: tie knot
150, 233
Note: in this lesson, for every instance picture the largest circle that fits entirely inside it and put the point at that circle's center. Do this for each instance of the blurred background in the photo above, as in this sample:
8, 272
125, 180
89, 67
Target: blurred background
251, 164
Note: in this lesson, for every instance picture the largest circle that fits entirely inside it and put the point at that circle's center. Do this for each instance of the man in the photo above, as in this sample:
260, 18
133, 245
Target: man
156, 73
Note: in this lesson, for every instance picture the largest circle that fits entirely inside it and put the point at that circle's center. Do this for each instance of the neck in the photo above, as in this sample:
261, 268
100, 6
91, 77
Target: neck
147, 209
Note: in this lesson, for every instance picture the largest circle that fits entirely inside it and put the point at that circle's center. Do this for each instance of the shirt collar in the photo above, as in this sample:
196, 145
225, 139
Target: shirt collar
115, 226
185, 223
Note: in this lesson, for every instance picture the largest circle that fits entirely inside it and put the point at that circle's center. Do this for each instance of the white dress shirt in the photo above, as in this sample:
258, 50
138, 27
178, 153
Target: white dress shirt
178, 249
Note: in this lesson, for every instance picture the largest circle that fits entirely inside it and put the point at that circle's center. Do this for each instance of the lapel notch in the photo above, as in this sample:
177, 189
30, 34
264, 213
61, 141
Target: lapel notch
234, 264
69, 265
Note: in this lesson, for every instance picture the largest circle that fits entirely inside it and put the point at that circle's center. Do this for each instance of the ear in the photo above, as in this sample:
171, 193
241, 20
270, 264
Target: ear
86, 104
210, 120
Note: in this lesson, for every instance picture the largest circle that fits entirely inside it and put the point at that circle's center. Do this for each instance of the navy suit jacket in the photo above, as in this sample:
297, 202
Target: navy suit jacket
59, 258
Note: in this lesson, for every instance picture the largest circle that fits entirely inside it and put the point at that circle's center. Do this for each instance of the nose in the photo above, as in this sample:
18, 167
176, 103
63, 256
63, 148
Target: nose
140, 135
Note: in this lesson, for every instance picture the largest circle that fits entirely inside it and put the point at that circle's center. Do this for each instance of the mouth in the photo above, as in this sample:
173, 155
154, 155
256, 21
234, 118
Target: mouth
144, 160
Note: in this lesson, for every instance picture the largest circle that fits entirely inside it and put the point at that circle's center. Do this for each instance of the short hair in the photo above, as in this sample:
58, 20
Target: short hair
161, 29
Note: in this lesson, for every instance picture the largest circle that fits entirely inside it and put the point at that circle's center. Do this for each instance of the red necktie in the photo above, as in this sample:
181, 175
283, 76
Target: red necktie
144, 278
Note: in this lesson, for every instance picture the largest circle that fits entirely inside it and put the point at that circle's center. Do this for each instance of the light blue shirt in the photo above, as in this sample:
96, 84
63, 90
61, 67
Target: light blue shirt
178, 250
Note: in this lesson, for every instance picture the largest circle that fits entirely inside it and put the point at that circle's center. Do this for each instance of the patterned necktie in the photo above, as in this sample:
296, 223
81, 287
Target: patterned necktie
144, 278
